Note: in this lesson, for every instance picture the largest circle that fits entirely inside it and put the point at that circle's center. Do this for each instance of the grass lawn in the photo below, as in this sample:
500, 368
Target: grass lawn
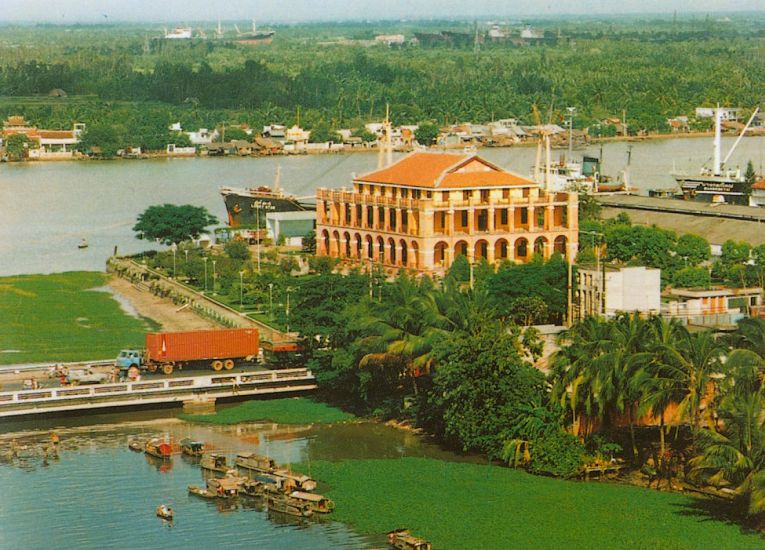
460, 505
58, 318
281, 411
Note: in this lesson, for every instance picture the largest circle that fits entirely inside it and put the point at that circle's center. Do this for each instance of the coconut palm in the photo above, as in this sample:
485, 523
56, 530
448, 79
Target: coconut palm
750, 335
735, 457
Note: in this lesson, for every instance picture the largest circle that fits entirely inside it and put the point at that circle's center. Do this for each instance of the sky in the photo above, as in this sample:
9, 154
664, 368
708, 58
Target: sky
179, 11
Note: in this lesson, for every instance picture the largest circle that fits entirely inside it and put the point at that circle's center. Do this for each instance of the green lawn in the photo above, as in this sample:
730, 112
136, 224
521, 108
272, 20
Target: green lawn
281, 411
58, 318
460, 505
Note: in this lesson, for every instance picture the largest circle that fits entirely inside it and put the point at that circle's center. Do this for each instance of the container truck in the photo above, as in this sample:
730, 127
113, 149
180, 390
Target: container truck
167, 351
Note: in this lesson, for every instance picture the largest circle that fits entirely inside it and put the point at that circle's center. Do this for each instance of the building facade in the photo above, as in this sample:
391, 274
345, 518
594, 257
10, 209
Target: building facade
422, 211
608, 291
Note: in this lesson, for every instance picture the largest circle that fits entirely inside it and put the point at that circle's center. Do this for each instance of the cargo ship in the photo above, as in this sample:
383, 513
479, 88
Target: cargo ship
246, 207
254, 36
717, 184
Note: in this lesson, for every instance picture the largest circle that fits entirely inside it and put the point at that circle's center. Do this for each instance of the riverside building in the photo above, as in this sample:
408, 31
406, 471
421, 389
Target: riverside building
422, 211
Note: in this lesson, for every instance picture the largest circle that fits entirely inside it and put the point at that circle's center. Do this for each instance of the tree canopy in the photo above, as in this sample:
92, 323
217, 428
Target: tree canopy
172, 223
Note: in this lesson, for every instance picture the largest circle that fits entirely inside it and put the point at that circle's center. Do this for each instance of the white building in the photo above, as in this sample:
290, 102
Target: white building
624, 289
726, 113
203, 136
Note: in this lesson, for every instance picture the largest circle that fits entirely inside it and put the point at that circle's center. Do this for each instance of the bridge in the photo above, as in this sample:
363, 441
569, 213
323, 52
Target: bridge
155, 391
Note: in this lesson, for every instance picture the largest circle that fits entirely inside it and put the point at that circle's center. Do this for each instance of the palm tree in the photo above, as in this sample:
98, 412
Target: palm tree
750, 335
684, 368
736, 457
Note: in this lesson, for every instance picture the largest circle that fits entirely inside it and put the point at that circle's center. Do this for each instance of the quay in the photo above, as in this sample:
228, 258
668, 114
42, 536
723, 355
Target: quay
155, 391
715, 222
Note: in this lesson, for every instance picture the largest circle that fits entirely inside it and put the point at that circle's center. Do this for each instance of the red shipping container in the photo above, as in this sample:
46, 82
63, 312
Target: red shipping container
200, 345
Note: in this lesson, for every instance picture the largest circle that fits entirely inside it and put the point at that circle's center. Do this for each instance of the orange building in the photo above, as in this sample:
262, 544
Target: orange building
422, 211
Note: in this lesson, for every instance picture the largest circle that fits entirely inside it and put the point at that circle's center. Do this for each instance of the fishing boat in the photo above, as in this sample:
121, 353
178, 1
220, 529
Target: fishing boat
300, 482
165, 512
215, 463
263, 484
318, 503
227, 487
83, 243
285, 504
136, 445
255, 462
403, 540
159, 449
189, 447
717, 184
201, 492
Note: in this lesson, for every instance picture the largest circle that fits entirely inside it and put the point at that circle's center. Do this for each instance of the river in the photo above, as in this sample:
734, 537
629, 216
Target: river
47, 208
99, 494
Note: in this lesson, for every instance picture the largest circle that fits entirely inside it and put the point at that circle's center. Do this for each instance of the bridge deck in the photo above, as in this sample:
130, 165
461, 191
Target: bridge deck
154, 391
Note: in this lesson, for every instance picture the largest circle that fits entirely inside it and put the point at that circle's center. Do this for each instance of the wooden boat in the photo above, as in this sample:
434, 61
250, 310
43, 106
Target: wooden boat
201, 492
285, 504
165, 512
136, 445
403, 540
255, 462
158, 449
189, 447
215, 463
299, 482
226, 487
261, 485
318, 503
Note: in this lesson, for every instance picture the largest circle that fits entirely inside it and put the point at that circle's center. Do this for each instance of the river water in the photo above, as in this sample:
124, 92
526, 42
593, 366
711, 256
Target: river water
99, 494
47, 208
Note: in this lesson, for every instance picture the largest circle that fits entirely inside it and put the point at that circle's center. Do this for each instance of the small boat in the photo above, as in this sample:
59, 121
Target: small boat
200, 492
403, 540
299, 482
165, 512
254, 462
135, 445
287, 505
83, 243
318, 503
190, 447
159, 449
261, 485
227, 487
215, 463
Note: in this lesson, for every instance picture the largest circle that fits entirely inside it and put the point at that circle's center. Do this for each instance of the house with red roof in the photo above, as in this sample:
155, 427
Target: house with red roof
757, 198
424, 210
44, 144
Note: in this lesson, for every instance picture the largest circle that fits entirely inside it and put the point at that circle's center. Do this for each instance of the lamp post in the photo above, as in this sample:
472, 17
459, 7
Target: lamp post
287, 309
186, 253
271, 301
571, 113
215, 276
205, 261
241, 290
174, 248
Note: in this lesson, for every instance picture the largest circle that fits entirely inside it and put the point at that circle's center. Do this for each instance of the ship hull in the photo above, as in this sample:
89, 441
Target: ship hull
243, 210
708, 188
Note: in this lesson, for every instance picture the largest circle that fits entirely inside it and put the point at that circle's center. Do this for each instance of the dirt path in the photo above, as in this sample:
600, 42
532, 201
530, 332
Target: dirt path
161, 310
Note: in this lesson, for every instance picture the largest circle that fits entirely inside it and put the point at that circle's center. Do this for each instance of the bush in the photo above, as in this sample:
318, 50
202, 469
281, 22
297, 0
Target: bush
237, 250
556, 453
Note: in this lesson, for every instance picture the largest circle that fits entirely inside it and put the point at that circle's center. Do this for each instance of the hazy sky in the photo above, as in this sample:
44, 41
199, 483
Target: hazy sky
70, 11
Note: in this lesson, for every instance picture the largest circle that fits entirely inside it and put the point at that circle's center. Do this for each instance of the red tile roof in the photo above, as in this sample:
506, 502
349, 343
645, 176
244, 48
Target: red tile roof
56, 134
759, 185
444, 171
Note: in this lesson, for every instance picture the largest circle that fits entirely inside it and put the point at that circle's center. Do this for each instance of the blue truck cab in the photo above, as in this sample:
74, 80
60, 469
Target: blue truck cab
130, 358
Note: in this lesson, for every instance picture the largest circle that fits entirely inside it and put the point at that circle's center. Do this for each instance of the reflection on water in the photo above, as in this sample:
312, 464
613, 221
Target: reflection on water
100, 494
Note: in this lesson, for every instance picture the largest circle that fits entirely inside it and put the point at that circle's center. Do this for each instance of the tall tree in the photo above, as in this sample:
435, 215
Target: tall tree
172, 223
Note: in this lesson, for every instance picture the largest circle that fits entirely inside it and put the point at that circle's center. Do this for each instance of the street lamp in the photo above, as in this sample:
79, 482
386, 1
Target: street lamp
571, 113
205, 261
174, 248
287, 309
215, 276
241, 290
271, 301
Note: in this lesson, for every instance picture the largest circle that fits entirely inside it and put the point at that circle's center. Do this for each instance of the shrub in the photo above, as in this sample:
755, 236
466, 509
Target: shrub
237, 250
556, 453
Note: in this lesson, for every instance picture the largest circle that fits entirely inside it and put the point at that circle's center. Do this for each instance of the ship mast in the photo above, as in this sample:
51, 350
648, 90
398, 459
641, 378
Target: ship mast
718, 141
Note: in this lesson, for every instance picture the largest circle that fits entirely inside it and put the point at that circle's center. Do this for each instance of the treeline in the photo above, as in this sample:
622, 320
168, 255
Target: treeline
208, 83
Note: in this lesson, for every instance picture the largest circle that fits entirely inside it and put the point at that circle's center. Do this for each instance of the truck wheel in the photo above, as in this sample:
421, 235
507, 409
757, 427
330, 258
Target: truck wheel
228, 364
151, 367
217, 365
167, 368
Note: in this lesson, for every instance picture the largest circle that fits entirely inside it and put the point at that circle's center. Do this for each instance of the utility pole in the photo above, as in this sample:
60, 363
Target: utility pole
571, 113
